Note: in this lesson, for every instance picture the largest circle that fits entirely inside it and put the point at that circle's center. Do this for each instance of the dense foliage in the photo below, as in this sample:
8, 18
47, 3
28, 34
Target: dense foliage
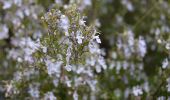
84, 49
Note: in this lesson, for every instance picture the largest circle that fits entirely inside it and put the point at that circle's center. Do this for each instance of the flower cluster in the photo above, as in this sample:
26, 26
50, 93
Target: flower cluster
75, 51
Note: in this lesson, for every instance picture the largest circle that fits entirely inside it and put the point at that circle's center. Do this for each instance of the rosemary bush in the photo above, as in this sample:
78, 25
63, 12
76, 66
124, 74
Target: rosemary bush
84, 50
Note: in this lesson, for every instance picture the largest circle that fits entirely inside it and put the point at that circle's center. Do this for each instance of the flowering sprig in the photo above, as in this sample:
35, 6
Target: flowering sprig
69, 54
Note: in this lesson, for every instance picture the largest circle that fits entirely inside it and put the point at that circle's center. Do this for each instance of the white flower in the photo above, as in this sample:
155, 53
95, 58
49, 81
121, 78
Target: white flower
168, 85
20, 14
18, 2
55, 82
97, 38
17, 76
29, 47
161, 98
68, 68
9, 88
59, 2
167, 46
27, 11
82, 22
67, 81
53, 67
102, 62
84, 4
97, 23
44, 49
98, 68
64, 24
137, 91
93, 48
130, 38
28, 54
165, 63
16, 21
13, 53
87, 2
92, 84
91, 61
28, 42
34, 91
146, 87
159, 41
80, 70
128, 5
114, 55
49, 96
3, 32
79, 37
75, 95
78, 81
68, 54
142, 46
7, 4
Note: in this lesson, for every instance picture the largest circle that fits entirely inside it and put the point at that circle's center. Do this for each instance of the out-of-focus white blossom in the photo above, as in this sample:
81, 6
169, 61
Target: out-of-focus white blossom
34, 91
102, 62
55, 82
82, 22
165, 63
97, 23
137, 91
142, 49
29, 47
75, 95
91, 61
18, 2
79, 37
44, 49
98, 68
130, 36
146, 87
20, 14
97, 38
7, 4
128, 5
17, 76
93, 48
28, 42
3, 32
19, 59
92, 84
168, 87
64, 24
53, 67
68, 68
159, 41
78, 81
168, 84
167, 46
59, 2
49, 96
13, 53
68, 54
68, 82
161, 98
8, 89
28, 73
87, 2
84, 4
